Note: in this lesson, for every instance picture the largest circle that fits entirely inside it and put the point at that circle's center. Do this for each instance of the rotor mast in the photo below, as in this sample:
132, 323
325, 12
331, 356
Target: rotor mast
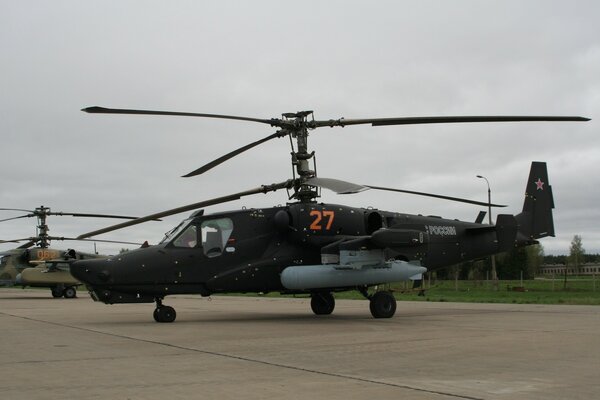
43, 237
296, 125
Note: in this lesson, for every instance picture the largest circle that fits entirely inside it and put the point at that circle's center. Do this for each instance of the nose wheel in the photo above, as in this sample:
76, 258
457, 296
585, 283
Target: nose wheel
163, 313
322, 303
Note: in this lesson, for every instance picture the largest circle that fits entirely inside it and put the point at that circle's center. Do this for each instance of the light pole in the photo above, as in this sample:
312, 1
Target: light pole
494, 275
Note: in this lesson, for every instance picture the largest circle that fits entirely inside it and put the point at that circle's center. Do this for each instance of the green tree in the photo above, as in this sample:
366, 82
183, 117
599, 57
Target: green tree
535, 258
510, 265
576, 253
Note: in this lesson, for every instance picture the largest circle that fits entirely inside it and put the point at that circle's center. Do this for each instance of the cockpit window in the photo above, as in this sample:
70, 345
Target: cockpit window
187, 238
215, 234
175, 231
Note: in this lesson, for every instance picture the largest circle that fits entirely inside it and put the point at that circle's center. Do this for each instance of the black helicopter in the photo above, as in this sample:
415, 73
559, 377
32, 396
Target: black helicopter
306, 246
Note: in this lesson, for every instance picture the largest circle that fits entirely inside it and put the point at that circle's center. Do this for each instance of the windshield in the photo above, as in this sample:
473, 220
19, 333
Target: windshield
212, 235
175, 231
188, 238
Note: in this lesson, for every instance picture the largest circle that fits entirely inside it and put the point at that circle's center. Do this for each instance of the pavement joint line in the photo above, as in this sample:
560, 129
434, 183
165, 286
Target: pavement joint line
250, 360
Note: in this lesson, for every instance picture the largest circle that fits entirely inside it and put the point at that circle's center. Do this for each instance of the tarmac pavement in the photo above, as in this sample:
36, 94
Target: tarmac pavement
265, 348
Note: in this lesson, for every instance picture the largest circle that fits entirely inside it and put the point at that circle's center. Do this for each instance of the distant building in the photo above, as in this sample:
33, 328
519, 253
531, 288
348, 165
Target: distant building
559, 269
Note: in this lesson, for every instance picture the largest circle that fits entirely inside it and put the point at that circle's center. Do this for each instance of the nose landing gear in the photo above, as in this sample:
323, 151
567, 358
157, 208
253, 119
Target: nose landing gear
163, 313
322, 303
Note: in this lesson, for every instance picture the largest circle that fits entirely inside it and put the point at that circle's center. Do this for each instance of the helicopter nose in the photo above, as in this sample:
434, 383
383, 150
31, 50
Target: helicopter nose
91, 271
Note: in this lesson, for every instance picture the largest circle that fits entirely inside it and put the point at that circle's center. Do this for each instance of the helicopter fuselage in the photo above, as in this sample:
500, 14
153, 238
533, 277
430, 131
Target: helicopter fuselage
41, 267
248, 250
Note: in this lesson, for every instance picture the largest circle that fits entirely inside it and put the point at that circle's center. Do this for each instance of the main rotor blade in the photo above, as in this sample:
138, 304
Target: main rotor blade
14, 240
93, 240
103, 110
234, 153
34, 213
336, 185
16, 209
189, 207
343, 187
21, 216
31, 242
438, 196
27, 245
442, 120
65, 238
93, 215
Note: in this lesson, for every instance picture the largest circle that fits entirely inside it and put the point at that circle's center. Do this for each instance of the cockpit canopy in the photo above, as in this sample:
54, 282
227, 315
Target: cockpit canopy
211, 235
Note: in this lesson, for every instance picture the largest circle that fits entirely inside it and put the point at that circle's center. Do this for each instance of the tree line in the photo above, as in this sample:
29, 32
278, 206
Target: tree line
521, 260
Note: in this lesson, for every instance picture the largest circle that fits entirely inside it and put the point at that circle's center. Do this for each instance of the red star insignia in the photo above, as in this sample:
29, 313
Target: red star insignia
539, 184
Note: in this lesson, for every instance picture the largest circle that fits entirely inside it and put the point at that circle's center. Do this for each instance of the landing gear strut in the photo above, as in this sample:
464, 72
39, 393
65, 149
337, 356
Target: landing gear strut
322, 303
382, 304
163, 313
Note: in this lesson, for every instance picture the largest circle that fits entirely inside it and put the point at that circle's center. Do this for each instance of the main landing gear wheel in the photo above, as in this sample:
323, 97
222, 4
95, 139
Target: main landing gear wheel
382, 305
70, 292
322, 303
163, 313
57, 291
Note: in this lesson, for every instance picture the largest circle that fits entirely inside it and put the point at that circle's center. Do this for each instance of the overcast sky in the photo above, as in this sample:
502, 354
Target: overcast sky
352, 59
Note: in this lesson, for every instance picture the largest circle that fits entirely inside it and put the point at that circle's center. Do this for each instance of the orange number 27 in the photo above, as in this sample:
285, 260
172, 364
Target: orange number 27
319, 215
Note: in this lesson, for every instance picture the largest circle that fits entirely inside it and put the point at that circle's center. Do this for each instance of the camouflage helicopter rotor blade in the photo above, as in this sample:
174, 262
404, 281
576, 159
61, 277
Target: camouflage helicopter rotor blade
93, 240
43, 212
31, 242
92, 215
26, 245
46, 211
14, 240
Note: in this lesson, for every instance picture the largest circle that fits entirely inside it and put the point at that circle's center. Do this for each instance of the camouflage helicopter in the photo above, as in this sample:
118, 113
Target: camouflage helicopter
306, 246
42, 266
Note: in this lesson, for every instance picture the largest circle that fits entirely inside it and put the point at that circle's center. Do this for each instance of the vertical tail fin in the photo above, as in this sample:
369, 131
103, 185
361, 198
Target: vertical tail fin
536, 219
